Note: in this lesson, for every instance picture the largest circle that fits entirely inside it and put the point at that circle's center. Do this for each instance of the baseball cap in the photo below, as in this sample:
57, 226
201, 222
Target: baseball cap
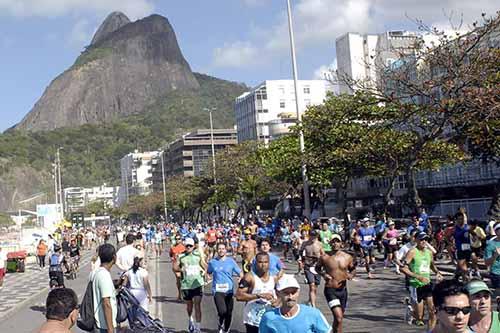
391, 223
366, 219
422, 236
287, 281
497, 226
337, 236
189, 241
474, 287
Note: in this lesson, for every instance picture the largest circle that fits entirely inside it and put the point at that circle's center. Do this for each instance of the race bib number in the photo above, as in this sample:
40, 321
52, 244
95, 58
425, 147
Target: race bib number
222, 287
192, 270
368, 238
333, 303
393, 241
425, 268
465, 247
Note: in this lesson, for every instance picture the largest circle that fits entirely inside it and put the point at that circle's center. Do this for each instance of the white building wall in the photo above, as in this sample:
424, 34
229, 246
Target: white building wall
136, 174
254, 113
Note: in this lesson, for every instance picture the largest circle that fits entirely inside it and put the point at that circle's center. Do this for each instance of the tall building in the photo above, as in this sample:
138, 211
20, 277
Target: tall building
136, 174
359, 56
76, 198
190, 154
269, 109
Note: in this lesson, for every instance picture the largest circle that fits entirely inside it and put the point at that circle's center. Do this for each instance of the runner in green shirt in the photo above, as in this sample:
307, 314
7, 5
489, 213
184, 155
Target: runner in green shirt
193, 270
325, 236
482, 318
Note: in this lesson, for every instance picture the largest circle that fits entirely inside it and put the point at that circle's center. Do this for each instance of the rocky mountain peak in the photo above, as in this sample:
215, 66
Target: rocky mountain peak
112, 23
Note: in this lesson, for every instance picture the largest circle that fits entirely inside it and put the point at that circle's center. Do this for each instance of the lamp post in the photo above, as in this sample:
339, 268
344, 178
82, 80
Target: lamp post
58, 157
164, 186
213, 151
307, 204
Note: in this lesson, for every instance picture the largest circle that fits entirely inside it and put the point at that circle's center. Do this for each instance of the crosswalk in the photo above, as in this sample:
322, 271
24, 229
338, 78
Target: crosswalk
20, 287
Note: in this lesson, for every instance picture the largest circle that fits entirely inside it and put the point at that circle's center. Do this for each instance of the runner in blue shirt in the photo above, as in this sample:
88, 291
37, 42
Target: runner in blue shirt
222, 269
462, 245
292, 317
275, 264
368, 236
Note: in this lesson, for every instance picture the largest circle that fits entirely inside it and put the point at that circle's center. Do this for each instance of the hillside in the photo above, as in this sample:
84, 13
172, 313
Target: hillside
91, 153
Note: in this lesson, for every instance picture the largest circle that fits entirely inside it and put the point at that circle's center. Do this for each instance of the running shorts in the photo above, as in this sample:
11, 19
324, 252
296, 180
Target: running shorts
189, 294
464, 255
417, 295
336, 297
311, 277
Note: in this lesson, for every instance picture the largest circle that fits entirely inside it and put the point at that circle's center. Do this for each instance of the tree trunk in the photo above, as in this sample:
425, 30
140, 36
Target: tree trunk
494, 211
414, 200
388, 193
343, 196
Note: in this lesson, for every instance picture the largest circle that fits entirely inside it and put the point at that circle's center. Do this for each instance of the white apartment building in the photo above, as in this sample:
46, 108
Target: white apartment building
137, 174
358, 56
76, 198
268, 110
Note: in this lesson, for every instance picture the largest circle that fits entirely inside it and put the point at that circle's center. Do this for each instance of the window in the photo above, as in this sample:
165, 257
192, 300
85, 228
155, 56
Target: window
282, 104
307, 90
307, 102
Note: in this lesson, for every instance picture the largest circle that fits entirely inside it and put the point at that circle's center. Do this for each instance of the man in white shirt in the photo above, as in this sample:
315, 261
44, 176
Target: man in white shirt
3, 261
125, 256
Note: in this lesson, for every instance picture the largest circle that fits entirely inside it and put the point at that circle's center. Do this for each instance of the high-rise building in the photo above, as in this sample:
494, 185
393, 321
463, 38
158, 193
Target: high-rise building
269, 109
360, 57
190, 154
136, 174
76, 198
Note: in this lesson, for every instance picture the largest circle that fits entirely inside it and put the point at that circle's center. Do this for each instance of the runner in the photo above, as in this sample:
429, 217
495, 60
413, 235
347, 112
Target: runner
310, 252
177, 249
419, 265
336, 267
483, 319
247, 250
390, 241
462, 245
492, 257
291, 316
211, 241
286, 239
325, 236
192, 268
158, 241
275, 264
222, 270
257, 290
367, 235
477, 236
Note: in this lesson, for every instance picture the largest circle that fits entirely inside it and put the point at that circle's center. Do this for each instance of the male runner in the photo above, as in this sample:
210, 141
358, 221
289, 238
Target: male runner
310, 252
368, 236
247, 250
325, 236
336, 267
192, 268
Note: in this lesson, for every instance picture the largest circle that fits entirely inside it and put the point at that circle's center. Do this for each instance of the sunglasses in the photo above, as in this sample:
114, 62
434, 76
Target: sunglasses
177, 239
451, 310
189, 245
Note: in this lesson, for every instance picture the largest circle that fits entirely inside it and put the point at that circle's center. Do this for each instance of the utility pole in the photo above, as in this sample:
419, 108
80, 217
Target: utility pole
60, 181
56, 193
213, 152
164, 186
305, 182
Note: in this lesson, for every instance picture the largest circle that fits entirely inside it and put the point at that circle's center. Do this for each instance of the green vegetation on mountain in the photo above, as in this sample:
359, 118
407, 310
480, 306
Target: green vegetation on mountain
91, 153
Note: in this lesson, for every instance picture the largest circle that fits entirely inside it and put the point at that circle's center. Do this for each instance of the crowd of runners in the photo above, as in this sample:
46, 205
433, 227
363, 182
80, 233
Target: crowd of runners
245, 262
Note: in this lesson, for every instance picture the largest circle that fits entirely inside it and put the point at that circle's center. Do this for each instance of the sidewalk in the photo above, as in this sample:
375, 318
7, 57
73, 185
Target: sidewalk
19, 288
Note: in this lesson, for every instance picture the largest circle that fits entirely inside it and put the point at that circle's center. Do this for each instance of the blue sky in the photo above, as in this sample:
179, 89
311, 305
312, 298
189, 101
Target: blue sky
238, 40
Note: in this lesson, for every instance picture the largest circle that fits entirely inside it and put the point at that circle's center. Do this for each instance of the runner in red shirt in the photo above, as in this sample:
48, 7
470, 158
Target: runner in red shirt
175, 251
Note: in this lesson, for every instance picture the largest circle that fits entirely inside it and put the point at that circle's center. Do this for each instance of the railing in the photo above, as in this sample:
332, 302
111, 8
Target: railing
471, 173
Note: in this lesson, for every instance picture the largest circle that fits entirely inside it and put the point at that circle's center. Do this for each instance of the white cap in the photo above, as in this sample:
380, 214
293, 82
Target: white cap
366, 219
287, 281
189, 241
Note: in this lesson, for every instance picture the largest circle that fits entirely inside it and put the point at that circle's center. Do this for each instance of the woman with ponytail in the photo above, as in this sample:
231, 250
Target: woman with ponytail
137, 278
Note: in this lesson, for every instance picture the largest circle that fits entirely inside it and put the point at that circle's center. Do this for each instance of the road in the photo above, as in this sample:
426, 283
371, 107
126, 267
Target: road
374, 305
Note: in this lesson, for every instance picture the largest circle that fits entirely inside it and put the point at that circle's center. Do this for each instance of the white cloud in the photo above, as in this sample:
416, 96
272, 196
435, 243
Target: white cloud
53, 8
237, 54
81, 33
325, 71
320, 22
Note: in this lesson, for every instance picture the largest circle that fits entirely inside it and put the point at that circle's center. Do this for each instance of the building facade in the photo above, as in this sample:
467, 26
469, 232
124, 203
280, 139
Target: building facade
137, 174
190, 154
76, 198
269, 109
361, 57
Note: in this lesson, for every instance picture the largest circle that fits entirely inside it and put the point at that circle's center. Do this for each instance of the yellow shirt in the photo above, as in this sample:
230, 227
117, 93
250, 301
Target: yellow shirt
476, 236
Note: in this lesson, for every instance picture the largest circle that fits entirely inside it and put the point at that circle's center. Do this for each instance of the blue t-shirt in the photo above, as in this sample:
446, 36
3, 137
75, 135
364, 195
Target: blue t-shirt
462, 239
367, 236
491, 247
380, 227
223, 272
424, 220
275, 265
262, 232
306, 320
413, 227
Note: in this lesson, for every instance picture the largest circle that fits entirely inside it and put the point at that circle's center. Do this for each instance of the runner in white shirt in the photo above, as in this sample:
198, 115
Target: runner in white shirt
125, 255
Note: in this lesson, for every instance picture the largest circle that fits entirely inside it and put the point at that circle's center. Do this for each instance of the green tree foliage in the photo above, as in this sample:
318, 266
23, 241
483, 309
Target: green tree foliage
5, 220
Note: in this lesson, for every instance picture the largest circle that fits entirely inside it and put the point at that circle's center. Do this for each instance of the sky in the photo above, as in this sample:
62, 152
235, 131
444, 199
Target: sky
238, 40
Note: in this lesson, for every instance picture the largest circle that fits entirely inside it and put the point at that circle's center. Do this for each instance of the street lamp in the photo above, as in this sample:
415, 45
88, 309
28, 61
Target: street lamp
307, 204
58, 158
164, 186
213, 151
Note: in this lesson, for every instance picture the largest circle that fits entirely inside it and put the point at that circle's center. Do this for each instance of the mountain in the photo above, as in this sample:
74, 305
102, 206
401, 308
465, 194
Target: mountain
127, 67
91, 153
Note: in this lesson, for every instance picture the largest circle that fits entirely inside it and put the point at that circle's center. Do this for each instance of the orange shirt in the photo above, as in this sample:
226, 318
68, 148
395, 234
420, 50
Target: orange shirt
176, 250
41, 249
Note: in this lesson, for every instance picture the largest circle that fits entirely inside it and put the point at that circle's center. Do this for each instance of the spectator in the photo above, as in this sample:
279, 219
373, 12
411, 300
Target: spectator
61, 311
137, 277
41, 252
104, 291
3, 264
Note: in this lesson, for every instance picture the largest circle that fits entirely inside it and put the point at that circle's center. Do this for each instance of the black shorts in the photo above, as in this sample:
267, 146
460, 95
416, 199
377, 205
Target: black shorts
336, 297
189, 294
476, 251
211, 244
464, 255
311, 277
57, 276
367, 251
421, 293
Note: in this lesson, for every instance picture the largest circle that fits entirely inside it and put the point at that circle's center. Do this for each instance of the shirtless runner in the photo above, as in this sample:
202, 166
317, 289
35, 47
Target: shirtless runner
247, 250
336, 267
310, 253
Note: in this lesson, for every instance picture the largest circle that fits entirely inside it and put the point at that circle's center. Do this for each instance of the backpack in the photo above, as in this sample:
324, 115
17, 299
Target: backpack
86, 322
